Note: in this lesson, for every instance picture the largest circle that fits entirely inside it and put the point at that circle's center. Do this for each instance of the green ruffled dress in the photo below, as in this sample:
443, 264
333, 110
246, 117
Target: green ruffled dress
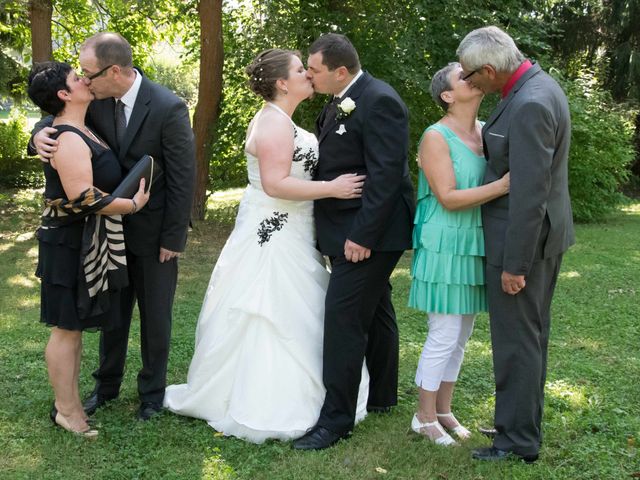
448, 259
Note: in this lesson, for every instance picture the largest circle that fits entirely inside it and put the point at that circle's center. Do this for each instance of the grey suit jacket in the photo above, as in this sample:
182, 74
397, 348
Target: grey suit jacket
528, 135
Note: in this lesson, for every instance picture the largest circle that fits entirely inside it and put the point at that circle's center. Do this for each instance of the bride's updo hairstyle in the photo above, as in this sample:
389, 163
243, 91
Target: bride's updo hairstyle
267, 68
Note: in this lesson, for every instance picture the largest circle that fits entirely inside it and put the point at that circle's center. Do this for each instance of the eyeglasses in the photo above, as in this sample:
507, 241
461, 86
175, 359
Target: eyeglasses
96, 75
470, 74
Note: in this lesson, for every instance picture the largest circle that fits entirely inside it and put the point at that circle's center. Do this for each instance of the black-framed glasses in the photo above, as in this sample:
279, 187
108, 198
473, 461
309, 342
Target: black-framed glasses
470, 74
96, 75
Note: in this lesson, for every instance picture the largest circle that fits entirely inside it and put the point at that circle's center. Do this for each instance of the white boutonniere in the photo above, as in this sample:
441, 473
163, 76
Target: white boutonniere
345, 107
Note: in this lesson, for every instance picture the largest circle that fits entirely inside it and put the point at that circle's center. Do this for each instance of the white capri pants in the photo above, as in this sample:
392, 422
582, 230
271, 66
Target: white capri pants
443, 351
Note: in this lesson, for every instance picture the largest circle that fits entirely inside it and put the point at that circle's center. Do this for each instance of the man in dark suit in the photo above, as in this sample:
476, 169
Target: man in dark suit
526, 232
135, 117
363, 130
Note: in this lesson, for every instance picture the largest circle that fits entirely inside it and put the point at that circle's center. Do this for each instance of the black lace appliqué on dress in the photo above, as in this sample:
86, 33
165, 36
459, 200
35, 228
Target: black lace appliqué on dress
308, 158
270, 225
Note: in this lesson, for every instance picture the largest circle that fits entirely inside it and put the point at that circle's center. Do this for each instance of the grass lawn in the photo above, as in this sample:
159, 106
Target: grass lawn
592, 415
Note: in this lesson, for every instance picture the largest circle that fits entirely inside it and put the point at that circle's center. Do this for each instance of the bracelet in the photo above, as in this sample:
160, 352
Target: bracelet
135, 207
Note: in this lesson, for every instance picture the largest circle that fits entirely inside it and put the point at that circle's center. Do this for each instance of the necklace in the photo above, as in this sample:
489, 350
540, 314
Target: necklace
84, 129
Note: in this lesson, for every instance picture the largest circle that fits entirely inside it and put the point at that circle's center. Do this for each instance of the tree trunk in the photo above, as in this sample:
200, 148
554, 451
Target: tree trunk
40, 12
635, 166
209, 95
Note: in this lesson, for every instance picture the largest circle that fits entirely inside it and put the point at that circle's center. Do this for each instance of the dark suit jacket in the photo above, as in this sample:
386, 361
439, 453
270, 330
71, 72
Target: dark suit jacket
375, 143
528, 134
159, 126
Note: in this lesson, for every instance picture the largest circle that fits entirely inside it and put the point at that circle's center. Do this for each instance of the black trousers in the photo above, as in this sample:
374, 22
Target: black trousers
153, 284
359, 322
520, 327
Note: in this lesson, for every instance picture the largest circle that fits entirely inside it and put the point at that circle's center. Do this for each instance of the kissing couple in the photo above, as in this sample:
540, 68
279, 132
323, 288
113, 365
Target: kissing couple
284, 349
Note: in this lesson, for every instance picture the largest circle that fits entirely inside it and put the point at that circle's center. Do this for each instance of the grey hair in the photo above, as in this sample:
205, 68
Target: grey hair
489, 46
441, 83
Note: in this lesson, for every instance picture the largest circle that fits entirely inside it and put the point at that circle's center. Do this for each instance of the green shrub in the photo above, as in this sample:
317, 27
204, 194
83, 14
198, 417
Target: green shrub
181, 78
601, 149
16, 169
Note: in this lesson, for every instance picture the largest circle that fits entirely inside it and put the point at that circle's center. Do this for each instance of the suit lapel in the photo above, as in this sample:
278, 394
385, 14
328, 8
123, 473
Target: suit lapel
138, 114
505, 101
354, 92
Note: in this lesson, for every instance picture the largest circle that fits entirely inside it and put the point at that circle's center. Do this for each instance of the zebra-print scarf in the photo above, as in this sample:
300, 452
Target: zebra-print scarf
103, 263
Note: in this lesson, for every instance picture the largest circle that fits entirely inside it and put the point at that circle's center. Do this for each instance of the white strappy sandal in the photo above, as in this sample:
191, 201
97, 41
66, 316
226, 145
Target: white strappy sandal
444, 439
460, 432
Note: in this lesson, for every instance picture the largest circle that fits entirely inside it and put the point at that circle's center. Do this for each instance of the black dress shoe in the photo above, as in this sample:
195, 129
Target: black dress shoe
95, 401
372, 409
488, 432
148, 410
317, 438
53, 413
493, 454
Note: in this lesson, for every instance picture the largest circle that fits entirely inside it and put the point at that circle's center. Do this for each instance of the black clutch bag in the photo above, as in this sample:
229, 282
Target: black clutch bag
130, 184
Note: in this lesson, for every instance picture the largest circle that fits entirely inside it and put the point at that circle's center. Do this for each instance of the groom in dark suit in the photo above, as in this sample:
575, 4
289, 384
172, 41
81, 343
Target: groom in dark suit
363, 129
135, 117
526, 232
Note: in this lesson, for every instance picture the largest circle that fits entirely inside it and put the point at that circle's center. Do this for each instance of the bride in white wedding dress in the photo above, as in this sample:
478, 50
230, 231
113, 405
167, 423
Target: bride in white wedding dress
257, 368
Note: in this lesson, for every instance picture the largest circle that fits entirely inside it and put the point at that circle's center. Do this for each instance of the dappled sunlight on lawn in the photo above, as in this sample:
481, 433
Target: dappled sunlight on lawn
591, 392
579, 342
401, 273
229, 195
23, 460
478, 348
572, 274
23, 237
574, 396
633, 209
30, 347
25, 303
410, 351
22, 281
215, 467
223, 205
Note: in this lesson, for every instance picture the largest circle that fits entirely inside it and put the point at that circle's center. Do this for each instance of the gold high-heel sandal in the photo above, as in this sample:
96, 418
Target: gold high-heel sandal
89, 433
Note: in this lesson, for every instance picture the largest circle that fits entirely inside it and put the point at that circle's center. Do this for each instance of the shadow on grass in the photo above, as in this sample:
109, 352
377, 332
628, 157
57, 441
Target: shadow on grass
591, 417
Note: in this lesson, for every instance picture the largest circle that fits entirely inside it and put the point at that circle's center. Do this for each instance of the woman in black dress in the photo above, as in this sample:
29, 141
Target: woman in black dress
81, 260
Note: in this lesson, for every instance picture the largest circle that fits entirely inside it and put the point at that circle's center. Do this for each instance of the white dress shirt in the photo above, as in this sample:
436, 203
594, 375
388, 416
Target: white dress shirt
354, 80
129, 98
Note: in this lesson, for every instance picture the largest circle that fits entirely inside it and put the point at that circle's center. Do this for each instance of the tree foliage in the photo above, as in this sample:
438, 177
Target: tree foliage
601, 149
602, 38
403, 43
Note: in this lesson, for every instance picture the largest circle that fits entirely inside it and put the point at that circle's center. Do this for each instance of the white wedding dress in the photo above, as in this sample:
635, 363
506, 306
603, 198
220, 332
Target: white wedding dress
257, 368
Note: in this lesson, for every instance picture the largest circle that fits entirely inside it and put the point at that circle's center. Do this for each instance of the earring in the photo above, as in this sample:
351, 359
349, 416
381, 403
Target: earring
285, 91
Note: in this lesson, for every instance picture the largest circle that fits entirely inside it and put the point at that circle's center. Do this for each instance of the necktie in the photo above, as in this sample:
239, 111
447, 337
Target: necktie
121, 122
331, 112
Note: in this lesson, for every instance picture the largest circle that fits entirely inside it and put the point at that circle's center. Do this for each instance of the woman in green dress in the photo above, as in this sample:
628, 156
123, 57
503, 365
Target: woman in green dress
448, 263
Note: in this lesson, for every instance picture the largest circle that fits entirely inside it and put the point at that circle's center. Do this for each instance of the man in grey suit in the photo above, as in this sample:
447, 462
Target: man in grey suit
136, 116
526, 232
